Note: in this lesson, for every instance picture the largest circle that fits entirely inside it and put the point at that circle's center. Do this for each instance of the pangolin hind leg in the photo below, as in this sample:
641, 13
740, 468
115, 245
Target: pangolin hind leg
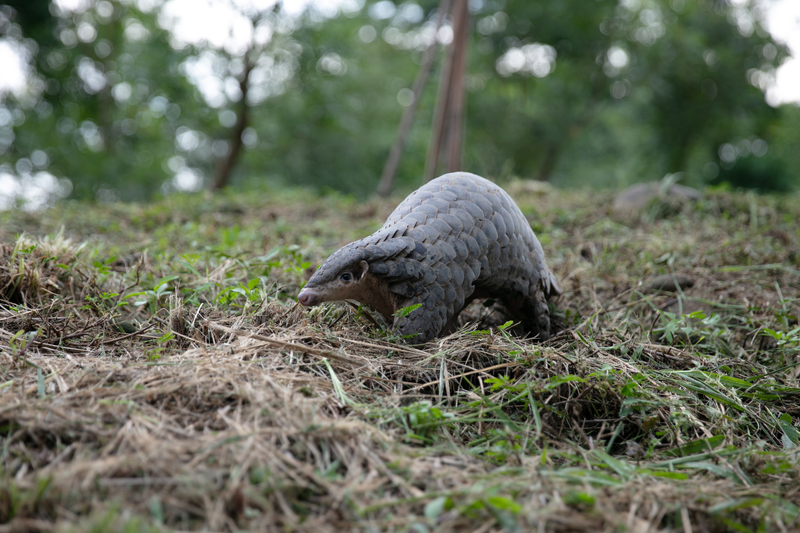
530, 311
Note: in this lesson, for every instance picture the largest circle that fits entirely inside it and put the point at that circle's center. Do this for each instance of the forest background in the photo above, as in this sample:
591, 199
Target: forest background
125, 100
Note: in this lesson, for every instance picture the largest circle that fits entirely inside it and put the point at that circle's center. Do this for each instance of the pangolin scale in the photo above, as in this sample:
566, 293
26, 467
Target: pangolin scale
456, 238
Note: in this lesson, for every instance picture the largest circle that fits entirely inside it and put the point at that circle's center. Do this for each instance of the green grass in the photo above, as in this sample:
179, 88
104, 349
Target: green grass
156, 374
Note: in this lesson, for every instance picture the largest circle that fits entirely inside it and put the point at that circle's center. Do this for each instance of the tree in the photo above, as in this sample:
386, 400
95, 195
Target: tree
102, 102
698, 78
674, 72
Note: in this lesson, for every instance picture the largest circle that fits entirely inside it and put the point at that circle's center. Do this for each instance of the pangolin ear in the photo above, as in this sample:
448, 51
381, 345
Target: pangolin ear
364, 268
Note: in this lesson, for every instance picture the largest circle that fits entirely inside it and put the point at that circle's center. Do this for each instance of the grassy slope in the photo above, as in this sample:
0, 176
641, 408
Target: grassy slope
124, 406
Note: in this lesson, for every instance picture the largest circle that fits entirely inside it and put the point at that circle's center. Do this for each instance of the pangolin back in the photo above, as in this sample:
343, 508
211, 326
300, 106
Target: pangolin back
455, 238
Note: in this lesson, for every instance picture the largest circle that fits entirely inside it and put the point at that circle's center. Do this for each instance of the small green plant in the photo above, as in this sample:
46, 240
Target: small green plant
20, 342
421, 419
502, 446
696, 329
296, 263
505, 383
787, 341
104, 268
154, 297
20, 248
155, 354
249, 291
103, 302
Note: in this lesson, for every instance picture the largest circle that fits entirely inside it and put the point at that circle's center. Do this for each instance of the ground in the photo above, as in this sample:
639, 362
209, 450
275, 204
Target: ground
157, 374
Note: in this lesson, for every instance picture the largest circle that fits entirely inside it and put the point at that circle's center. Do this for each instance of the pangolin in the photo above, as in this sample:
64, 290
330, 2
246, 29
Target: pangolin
456, 238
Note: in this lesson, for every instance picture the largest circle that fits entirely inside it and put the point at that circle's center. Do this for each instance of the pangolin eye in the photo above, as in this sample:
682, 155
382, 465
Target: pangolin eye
347, 276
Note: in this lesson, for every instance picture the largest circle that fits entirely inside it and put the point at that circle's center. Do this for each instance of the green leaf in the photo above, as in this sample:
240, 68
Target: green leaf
733, 505
436, 506
166, 279
620, 467
735, 382
40, 383
702, 388
504, 504
668, 475
579, 499
16, 336
695, 446
156, 510
714, 468
628, 389
131, 295
337, 385
555, 381
192, 269
790, 436
581, 475
405, 311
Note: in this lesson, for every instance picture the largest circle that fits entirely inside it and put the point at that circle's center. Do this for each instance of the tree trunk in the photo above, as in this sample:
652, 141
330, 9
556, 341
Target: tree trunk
449, 105
549, 164
390, 168
456, 128
226, 165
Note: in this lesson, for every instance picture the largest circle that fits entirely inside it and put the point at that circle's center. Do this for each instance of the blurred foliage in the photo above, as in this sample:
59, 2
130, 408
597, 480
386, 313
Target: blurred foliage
761, 173
602, 93
102, 104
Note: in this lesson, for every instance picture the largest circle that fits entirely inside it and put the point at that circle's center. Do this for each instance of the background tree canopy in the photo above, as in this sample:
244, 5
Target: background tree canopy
124, 100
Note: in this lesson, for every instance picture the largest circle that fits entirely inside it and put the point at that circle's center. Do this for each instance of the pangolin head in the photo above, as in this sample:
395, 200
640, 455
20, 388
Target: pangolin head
338, 278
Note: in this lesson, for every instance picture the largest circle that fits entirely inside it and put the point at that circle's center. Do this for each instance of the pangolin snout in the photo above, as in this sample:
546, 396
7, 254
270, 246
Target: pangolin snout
308, 297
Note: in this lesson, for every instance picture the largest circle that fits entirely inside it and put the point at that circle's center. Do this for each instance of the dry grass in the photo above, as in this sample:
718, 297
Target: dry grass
216, 403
